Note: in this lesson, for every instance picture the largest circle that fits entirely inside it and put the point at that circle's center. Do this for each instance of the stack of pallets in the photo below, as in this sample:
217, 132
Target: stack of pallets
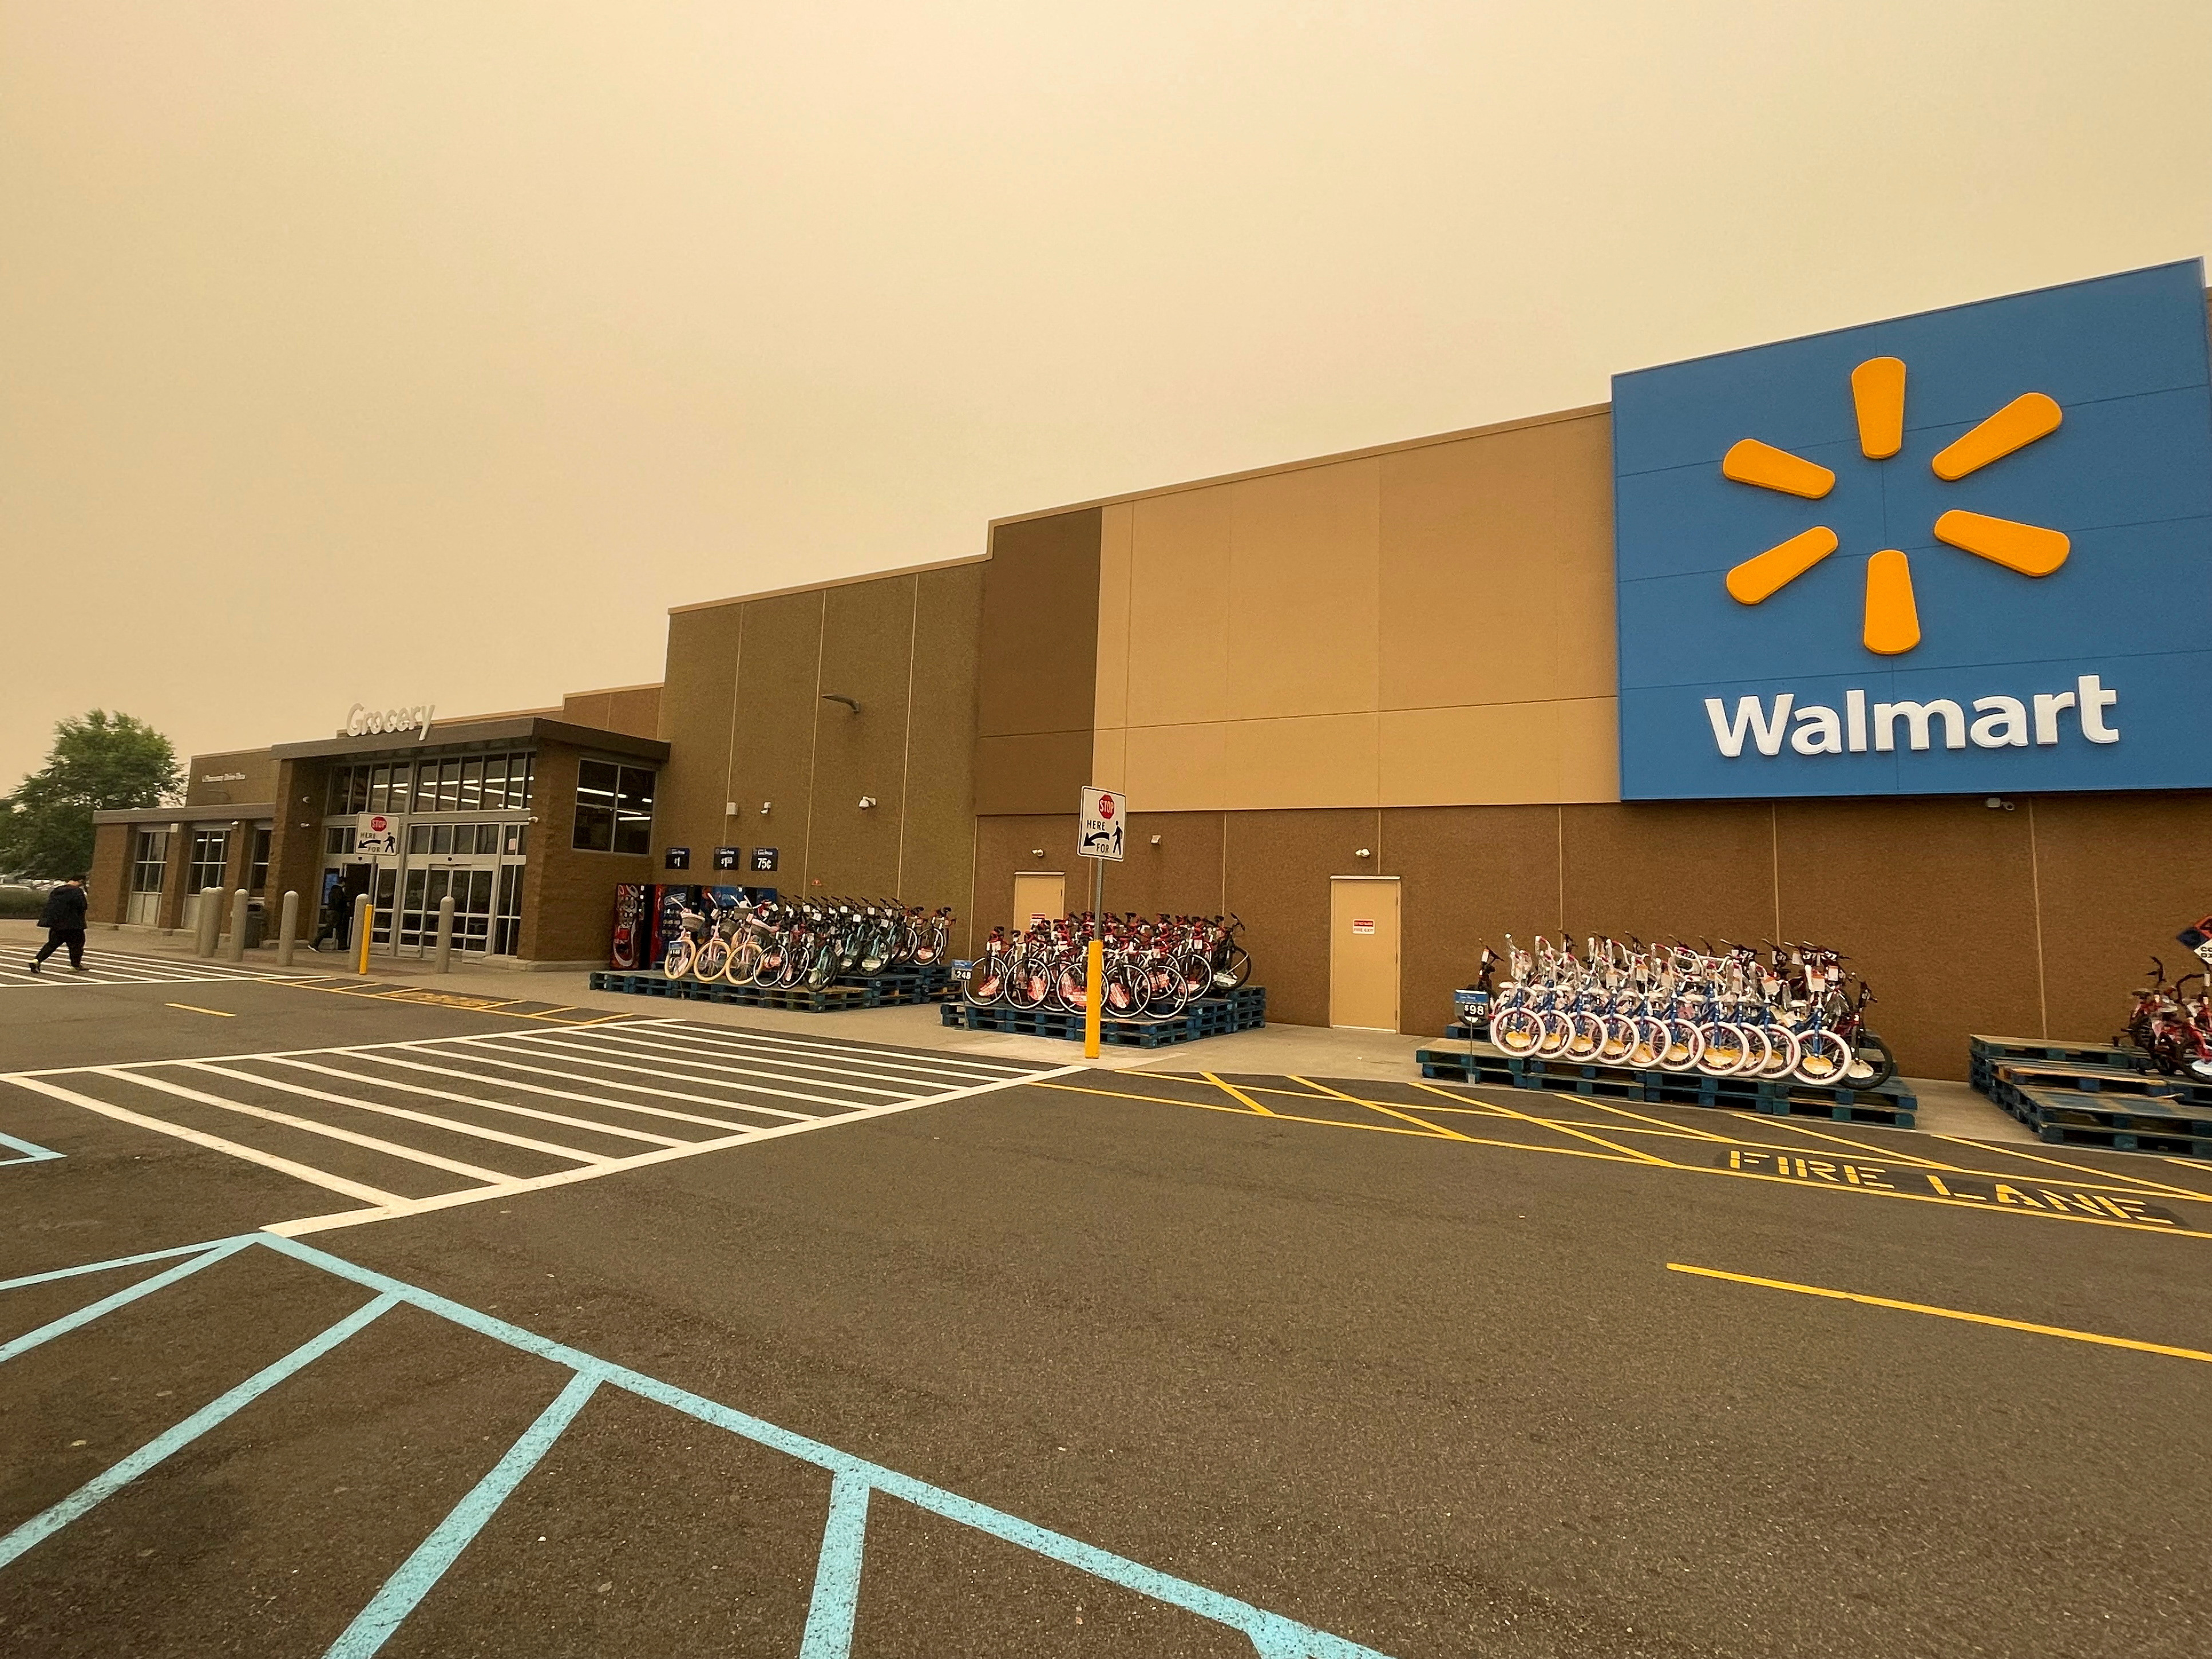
896, 989
1893, 1104
2093, 1094
1241, 1010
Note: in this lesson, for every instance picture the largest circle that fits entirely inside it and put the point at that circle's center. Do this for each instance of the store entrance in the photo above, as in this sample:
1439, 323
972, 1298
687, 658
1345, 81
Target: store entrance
471, 886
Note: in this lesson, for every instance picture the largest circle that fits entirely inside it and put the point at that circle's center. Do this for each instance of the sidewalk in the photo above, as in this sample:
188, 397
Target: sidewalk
1947, 1107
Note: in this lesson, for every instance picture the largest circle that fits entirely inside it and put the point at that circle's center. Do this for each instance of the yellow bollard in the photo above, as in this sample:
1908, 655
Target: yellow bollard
364, 918
1094, 998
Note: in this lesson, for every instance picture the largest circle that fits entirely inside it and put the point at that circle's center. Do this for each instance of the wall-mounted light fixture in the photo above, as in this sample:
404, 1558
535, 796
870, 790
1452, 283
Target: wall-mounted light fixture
1364, 853
832, 696
764, 806
1995, 802
1037, 852
1156, 841
729, 809
866, 801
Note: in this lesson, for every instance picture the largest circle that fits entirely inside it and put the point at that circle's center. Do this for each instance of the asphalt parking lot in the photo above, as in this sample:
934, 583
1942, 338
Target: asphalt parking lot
534, 1331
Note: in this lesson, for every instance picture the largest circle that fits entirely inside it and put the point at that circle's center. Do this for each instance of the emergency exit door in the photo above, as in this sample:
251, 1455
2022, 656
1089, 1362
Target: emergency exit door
1039, 894
1363, 952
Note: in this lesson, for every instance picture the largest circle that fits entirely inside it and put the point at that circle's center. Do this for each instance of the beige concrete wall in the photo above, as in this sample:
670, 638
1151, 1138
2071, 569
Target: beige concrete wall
1428, 625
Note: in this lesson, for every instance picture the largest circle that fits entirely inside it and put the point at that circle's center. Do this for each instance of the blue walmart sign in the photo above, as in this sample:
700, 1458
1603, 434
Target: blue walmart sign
1964, 552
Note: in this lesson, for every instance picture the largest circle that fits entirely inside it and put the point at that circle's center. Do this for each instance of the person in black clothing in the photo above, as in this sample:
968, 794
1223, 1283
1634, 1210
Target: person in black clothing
63, 921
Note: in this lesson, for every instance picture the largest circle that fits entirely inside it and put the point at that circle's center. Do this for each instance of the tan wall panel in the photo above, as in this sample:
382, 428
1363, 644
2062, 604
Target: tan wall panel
636, 711
1503, 753
778, 664
1039, 664
1178, 628
1471, 876
693, 785
296, 844
1932, 902
107, 886
1492, 547
591, 708
257, 784
1316, 760
1302, 597
1278, 869
2120, 875
868, 636
1117, 526
1031, 773
1109, 757
937, 855
569, 896
1672, 870
1177, 768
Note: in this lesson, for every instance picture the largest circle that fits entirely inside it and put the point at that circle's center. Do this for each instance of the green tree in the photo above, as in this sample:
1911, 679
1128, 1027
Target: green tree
99, 762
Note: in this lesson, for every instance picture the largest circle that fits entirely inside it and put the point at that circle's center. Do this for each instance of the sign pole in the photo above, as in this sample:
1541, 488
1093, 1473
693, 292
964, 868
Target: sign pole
1094, 996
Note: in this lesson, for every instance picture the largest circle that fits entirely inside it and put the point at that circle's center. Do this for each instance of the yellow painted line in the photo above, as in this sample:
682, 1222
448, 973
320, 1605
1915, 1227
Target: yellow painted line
193, 1008
1945, 1313
1664, 1127
1882, 1153
2085, 1168
1377, 1106
401, 994
1637, 1153
1236, 1093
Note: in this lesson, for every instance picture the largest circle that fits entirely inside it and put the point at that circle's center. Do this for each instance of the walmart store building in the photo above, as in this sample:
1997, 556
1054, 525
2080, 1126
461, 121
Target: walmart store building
1898, 638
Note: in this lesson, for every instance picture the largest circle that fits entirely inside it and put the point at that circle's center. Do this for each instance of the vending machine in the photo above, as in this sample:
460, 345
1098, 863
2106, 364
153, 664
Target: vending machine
633, 907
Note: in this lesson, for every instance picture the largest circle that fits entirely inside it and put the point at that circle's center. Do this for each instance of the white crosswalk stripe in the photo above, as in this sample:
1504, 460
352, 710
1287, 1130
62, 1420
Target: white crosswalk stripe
403, 1128
124, 968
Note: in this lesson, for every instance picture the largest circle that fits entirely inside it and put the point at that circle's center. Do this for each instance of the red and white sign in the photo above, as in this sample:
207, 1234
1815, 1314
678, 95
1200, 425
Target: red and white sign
1363, 925
374, 832
1103, 819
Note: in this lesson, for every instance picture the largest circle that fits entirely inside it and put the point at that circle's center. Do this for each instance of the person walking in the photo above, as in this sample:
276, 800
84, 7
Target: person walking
63, 921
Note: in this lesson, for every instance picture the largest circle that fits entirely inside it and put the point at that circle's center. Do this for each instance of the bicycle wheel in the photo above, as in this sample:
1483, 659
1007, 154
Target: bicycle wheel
1235, 968
1619, 1041
1872, 1062
1558, 1031
1516, 1031
677, 962
1722, 1050
1585, 1036
713, 958
1783, 1051
984, 985
1684, 1044
744, 961
1650, 1044
1027, 988
1823, 1058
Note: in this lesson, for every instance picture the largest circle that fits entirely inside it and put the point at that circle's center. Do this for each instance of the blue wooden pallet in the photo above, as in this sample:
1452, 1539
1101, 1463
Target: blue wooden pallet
2120, 1123
1983, 1053
894, 990
1241, 1010
1893, 1104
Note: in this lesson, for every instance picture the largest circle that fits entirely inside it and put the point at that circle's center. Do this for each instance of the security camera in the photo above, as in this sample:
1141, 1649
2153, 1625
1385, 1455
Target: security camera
1037, 852
764, 806
866, 801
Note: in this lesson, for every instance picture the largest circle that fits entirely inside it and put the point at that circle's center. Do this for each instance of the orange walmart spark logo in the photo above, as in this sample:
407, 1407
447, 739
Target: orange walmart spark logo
1893, 620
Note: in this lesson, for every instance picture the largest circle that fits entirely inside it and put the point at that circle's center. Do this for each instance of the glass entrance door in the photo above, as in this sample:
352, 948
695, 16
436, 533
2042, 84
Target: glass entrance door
469, 885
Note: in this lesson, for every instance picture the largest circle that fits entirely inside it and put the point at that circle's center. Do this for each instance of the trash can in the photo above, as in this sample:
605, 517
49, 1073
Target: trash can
257, 925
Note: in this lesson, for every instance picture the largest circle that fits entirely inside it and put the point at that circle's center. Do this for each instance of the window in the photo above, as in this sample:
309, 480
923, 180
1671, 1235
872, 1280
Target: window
211, 859
150, 860
338, 840
256, 878
614, 808
473, 778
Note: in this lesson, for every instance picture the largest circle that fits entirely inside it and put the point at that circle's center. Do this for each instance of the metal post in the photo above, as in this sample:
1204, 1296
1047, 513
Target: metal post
241, 906
445, 934
288, 928
361, 913
1094, 996
209, 928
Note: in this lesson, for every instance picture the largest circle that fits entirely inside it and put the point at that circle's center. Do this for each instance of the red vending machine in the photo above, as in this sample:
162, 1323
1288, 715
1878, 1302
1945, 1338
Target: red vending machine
633, 907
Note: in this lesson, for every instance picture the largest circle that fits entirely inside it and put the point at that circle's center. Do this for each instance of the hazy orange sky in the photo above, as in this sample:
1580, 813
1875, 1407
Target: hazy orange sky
427, 352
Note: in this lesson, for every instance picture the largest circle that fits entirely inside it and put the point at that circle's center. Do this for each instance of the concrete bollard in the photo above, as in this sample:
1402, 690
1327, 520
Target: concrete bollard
241, 907
361, 921
446, 935
208, 927
288, 928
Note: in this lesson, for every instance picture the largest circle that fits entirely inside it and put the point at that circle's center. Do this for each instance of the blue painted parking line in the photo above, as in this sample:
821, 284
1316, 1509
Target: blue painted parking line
25, 1153
854, 1481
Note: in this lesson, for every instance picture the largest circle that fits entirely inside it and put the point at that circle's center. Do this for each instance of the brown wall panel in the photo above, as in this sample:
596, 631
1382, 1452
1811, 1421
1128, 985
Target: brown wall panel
1041, 772
1471, 875
1279, 866
778, 662
1003, 845
2120, 875
693, 785
108, 885
937, 855
1932, 901
1181, 876
867, 638
1671, 870
1039, 665
296, 845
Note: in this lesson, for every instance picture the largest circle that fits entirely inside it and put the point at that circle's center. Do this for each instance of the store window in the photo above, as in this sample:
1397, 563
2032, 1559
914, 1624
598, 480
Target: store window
256, 878
150, 870
614, 808
211, 859
473, 783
